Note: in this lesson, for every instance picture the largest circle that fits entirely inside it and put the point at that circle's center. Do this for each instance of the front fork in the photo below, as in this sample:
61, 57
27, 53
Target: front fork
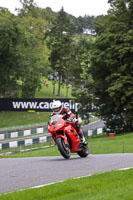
64, 138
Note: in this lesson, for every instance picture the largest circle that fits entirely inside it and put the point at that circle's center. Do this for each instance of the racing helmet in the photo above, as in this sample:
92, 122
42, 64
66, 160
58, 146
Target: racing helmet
57, 107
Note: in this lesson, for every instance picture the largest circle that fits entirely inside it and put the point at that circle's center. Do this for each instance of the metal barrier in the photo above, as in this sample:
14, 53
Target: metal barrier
93, 131
22, 127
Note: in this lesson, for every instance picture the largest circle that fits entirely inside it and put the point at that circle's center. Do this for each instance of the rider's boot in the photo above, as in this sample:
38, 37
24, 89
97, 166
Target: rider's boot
82, 138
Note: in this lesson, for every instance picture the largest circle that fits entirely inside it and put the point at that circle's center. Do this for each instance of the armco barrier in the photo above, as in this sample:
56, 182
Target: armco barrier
39, 139
22, 127
22, 133
94, 131
25, 142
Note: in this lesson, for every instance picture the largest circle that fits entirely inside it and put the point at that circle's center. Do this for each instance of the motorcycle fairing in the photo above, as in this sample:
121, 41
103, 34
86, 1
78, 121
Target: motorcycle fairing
72, 134
58, 125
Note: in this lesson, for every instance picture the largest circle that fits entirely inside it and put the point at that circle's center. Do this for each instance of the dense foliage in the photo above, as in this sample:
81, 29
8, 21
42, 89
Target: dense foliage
112, 68
59, 39
38, 42
17, 55
24, 55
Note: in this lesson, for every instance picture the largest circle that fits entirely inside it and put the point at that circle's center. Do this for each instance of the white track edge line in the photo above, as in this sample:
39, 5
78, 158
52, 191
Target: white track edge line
39, 186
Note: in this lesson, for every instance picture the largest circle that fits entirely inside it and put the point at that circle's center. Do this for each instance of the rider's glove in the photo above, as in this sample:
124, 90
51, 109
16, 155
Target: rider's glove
71, 119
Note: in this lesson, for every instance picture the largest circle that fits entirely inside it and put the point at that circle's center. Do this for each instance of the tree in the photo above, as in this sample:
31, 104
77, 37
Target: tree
23, 54
83, 25
33, 18
28, 6
59, 42
82, 79
111, 67
13, 39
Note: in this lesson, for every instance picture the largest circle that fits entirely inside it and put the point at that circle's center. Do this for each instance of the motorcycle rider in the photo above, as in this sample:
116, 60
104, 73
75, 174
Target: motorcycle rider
68, 115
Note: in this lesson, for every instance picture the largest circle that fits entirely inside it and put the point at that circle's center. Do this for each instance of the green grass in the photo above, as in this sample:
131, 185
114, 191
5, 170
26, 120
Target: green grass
47, 92
119, 144
33, 147
50, 151
8, 119
104, 145
114, 185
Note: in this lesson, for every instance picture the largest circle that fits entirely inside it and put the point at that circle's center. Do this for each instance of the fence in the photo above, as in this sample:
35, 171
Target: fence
25, 142
37, 139
93, 131
22, 133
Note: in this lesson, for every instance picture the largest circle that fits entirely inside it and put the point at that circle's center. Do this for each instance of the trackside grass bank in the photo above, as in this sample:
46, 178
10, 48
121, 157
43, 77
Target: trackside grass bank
8, 119
98, 145
114, 185
119, 144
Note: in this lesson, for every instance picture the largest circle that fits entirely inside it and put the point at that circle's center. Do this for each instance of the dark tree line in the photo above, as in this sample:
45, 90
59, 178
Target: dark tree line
38, 42
111, 66
24, 54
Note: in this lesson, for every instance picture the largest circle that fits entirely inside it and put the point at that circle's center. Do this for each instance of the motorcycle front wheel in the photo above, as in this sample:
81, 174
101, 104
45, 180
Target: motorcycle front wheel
64, 150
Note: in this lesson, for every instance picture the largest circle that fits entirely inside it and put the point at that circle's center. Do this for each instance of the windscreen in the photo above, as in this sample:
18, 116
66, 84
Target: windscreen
55, 118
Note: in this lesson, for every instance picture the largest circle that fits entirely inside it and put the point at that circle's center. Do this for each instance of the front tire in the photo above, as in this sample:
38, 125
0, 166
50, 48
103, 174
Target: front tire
84, 150
65, 151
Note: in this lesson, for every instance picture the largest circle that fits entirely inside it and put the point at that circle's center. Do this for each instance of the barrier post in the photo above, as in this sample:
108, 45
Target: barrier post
89, 135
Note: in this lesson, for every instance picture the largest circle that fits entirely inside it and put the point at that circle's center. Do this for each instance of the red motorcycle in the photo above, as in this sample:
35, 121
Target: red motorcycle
66, 137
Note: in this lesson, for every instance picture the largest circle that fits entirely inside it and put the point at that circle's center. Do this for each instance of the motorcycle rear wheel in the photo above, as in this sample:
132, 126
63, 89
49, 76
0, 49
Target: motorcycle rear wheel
65, 151
84, 151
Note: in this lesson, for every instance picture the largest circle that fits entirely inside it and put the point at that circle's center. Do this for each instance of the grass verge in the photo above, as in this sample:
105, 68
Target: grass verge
47, 92
98, 145
119, 144
8, 119
114, 185
40, 152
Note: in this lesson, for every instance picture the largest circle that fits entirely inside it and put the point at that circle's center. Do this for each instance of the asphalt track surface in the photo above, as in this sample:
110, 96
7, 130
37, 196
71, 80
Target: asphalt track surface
21, 173
94, 125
